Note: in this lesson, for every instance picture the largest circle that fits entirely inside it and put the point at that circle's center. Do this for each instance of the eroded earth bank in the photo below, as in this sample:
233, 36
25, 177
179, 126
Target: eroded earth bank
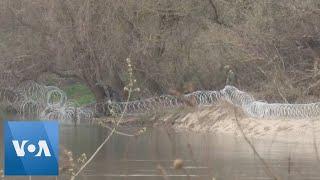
222, 118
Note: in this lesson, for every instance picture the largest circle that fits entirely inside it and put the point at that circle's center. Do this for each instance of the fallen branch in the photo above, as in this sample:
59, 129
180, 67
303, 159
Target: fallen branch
267, 169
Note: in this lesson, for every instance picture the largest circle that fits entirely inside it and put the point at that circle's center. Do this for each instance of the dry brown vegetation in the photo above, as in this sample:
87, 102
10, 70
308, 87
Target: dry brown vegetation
272, 45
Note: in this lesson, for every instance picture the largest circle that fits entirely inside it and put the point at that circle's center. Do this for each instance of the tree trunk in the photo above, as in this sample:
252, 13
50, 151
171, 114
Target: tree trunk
101, 98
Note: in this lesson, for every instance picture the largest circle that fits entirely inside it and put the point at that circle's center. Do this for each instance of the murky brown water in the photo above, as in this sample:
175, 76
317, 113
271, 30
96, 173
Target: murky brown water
205, 156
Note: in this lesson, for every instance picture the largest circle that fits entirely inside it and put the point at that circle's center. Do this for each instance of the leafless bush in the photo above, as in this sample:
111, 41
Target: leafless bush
170, 43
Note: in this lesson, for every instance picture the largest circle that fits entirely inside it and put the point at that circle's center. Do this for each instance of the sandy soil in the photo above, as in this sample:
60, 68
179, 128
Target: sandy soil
220, 118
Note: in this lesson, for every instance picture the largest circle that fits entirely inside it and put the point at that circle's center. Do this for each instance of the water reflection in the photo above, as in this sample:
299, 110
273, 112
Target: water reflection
205, 156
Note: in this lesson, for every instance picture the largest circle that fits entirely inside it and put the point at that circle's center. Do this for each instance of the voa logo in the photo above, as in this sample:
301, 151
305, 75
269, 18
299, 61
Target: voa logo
42, 144
31, 148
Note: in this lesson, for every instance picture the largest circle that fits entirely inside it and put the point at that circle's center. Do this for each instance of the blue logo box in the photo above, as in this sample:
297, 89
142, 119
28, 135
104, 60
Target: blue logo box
31, 148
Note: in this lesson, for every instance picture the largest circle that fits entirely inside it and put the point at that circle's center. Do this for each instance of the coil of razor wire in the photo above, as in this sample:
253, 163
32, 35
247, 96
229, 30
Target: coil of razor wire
230, 94
50, 102
33, 100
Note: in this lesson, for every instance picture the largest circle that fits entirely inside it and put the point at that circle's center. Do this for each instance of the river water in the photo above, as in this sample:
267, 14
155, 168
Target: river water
204, 155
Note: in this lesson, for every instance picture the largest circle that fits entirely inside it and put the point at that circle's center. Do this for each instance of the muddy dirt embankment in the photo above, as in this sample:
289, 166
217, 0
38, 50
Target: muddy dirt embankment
221, 118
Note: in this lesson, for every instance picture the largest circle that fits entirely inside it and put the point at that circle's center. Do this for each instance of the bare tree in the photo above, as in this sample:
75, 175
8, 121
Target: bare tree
170, 43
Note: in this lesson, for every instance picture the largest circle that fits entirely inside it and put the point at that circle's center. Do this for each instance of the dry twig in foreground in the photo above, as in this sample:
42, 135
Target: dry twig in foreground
267, 169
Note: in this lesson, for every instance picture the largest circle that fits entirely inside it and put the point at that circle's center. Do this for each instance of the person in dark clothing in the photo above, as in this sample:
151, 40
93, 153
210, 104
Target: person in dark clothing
231, 76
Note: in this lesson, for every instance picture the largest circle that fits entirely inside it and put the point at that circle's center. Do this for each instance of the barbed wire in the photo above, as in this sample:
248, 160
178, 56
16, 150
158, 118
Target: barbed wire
34, 100
231, 94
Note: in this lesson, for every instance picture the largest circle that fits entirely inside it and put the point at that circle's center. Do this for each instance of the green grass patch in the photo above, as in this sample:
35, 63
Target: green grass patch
79, 93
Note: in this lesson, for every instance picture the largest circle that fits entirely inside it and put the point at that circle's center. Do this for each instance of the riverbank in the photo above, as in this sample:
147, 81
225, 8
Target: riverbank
221, 118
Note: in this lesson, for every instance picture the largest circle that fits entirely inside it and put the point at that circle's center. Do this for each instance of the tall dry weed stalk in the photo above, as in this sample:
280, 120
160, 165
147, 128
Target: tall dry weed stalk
130, 89
267, 168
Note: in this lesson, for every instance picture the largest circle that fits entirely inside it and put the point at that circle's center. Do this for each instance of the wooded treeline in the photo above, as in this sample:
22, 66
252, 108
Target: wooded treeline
271, 45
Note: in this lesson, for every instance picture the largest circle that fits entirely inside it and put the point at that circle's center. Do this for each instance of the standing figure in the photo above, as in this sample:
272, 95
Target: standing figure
231, 76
